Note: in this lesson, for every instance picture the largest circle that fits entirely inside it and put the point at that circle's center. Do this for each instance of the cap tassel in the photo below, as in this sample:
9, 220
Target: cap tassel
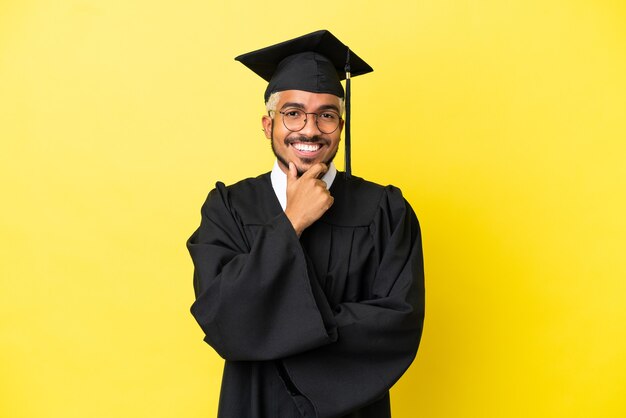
348, 165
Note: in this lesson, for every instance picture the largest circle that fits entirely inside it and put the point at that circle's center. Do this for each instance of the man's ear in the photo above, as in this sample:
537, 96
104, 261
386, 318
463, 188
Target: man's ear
267, 126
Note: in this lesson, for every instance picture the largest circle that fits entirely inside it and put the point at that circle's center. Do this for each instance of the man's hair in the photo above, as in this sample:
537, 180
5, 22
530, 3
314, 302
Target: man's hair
272, 101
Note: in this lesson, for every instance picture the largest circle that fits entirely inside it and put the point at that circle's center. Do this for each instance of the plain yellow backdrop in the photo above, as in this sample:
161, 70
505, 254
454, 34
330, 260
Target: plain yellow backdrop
502, 121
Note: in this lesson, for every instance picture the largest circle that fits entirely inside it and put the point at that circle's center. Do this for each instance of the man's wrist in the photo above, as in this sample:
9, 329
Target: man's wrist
296, 225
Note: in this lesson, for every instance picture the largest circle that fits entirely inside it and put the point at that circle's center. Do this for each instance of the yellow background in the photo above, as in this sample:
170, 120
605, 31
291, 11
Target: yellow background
502, 121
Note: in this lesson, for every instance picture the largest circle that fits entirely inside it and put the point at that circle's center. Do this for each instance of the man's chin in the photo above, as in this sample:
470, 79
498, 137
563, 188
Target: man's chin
302, 167
302, 164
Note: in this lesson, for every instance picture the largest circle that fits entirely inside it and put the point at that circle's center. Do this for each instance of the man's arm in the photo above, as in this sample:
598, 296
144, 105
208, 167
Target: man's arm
377, 338
254, 301
261, 301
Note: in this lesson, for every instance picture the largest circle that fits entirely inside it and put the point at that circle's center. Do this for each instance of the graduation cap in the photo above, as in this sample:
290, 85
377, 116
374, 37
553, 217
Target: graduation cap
316, 62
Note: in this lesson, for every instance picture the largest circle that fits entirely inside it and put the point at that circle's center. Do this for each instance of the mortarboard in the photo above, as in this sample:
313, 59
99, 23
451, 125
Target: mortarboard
316, 62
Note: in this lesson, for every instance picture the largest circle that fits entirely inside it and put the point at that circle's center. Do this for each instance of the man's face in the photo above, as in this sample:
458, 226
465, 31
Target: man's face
308, 146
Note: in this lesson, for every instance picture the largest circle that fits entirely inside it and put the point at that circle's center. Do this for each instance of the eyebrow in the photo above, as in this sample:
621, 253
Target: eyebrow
292, 104
329, 107
301, 106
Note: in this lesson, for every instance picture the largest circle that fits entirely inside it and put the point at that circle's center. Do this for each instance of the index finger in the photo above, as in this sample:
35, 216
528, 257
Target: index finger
315, 171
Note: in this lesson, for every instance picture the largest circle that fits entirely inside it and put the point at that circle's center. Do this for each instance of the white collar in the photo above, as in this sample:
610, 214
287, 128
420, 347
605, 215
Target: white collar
279, 181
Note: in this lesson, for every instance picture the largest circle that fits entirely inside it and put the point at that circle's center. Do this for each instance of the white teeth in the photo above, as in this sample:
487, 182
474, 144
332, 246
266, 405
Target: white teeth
307, 147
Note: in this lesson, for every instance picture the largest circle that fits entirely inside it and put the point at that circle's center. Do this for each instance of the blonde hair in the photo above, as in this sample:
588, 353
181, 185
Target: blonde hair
272, 101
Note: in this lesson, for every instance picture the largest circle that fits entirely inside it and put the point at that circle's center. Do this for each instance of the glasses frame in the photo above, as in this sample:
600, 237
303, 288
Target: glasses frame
306, 120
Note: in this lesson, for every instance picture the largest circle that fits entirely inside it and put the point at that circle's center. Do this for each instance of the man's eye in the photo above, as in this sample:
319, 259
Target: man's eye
293, 114
328, 116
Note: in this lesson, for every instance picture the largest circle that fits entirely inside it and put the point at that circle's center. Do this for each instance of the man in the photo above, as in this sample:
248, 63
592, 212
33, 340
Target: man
308, 281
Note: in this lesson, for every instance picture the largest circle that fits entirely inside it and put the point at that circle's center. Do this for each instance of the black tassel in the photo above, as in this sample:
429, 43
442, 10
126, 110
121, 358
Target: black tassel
348, 167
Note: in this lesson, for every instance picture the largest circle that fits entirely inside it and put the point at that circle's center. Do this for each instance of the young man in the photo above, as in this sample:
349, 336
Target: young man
309, 281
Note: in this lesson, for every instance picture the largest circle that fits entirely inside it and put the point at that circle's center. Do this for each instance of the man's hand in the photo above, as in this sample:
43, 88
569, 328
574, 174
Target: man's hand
307, 196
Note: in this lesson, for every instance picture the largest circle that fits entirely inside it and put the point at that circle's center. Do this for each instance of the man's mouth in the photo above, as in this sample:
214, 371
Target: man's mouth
306, 147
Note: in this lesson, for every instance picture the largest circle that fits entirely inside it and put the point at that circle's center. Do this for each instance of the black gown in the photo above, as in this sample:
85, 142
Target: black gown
320, 326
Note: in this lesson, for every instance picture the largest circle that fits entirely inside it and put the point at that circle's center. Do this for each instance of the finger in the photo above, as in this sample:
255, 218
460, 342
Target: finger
316, 171
293, 172
329, 203
321, 183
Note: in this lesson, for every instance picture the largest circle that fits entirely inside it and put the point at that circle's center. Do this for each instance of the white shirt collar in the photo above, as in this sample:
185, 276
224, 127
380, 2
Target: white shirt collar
279, 182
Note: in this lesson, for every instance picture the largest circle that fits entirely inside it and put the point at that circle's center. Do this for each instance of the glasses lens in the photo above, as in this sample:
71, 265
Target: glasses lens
327, 122
294, 119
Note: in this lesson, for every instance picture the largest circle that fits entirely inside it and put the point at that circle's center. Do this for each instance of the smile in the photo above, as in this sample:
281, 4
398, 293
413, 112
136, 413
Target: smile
302, 147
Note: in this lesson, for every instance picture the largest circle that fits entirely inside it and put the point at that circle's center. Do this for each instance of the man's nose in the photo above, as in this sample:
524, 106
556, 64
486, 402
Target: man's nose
310, 128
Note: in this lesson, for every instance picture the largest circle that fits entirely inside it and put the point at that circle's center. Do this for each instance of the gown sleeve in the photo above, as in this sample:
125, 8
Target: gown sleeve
254, 301
377, 338
260, 300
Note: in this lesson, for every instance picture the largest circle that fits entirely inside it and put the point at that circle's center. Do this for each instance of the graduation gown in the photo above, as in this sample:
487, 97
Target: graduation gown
317, 326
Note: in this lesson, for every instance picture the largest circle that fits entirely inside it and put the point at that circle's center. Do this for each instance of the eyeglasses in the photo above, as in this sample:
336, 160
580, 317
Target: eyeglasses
326, 121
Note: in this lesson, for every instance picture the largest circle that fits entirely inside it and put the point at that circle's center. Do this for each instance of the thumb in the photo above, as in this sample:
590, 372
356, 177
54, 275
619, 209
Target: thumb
293, 172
